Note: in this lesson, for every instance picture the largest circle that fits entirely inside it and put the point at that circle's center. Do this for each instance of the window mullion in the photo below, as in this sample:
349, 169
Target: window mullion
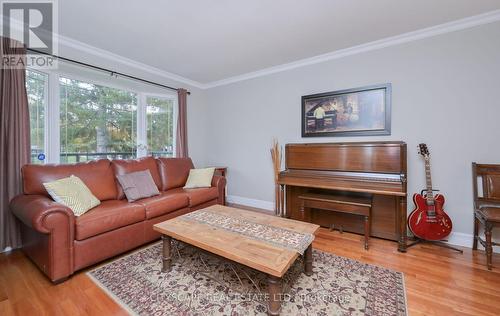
142, 141
52, 137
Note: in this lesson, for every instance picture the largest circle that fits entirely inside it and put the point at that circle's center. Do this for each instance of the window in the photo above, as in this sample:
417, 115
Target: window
96, 122
160, 126
76, 120
36, 88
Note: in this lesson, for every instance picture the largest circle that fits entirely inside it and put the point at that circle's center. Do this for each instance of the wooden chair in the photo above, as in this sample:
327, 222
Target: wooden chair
486, 205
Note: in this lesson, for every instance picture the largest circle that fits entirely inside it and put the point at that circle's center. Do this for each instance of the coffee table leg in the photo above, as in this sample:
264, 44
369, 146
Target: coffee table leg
167, 257
274, 304
308, 261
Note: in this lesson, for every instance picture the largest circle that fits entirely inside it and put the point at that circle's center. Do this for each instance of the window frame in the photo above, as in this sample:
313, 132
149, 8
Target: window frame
52, 107
46, 101
174, 100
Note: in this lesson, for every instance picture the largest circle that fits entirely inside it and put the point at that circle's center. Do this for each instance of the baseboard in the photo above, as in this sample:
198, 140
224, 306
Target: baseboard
460, 239
455, 238
265, 205
465, 240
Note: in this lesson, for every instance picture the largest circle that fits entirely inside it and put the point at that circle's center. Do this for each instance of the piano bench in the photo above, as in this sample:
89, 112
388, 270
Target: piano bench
361, 206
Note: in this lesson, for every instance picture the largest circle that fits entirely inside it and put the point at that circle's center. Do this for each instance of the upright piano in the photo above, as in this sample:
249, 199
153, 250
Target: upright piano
366, 169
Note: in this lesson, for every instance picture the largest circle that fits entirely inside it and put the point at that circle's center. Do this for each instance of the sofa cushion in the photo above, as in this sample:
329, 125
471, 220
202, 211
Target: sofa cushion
108, 216
164, 203
200, 178
198, 196
127, 166
138, 185
97, 175
73, 193
174, 172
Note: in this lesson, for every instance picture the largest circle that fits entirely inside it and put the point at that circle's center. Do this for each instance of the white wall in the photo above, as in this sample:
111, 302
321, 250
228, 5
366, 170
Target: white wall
446, 93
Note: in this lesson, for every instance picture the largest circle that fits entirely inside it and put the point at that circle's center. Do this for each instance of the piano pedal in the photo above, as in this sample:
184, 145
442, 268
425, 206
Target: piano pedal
341, 229
332, 227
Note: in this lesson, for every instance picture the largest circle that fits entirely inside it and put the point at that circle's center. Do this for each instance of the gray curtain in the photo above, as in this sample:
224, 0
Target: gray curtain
14, 140
181, 145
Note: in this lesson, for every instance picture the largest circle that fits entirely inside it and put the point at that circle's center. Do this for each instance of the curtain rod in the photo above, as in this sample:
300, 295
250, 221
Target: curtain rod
112, 72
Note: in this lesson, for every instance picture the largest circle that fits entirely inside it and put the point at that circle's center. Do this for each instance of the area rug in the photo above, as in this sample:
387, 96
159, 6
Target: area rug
202, 284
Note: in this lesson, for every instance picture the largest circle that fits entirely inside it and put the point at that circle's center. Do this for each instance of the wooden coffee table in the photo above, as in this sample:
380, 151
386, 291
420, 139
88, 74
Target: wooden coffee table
257, 254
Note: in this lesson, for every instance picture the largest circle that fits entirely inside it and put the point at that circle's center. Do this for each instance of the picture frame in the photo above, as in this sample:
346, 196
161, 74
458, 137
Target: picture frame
364, 111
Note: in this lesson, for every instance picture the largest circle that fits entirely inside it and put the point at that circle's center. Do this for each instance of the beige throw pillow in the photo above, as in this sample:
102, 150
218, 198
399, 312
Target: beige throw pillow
73, 193
200, 178
138, 185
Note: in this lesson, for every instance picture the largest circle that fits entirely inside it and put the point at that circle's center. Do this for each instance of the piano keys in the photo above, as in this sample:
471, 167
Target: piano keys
376, 170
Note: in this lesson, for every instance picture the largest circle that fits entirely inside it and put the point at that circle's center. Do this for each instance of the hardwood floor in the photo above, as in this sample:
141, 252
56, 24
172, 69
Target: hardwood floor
438, 281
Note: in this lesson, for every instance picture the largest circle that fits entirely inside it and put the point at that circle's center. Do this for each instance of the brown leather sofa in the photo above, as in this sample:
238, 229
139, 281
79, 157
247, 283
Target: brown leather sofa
61, 243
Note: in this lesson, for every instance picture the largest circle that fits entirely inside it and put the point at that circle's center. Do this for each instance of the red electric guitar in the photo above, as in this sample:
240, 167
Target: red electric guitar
429, 221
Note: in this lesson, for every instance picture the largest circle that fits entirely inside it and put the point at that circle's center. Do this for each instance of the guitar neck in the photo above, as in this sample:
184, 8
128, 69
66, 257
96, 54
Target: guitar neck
428, 179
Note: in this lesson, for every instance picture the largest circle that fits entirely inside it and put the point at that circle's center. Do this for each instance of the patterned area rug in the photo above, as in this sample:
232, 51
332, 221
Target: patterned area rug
202, 284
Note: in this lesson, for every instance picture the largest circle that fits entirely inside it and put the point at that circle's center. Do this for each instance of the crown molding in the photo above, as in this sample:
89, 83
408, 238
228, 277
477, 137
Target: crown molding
457, 25
449, 27
107, 55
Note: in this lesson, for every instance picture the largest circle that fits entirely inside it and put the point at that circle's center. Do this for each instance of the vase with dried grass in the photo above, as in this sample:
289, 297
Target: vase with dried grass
276, 157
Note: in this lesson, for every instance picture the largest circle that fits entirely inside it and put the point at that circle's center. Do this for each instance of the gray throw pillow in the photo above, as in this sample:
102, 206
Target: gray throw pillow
138, 185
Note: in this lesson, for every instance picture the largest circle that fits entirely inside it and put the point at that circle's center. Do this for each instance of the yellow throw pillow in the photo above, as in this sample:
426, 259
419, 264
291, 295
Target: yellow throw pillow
73, 193
200, 178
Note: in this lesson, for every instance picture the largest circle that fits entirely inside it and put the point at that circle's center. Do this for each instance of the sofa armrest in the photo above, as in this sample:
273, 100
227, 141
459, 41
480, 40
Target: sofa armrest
47, 233
220, 183
36, 212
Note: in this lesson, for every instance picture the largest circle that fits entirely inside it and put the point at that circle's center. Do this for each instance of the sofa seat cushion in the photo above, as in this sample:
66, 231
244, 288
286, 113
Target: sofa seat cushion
164, 203
108, 216
199, 195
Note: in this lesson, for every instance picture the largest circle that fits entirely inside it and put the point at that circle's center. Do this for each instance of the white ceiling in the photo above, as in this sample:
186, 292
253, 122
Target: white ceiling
206, 41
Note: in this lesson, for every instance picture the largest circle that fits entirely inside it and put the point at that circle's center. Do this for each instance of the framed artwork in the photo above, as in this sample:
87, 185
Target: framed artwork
362, 111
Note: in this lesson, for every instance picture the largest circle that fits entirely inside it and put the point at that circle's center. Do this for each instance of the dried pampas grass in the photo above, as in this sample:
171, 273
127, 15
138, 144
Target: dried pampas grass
276, 155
